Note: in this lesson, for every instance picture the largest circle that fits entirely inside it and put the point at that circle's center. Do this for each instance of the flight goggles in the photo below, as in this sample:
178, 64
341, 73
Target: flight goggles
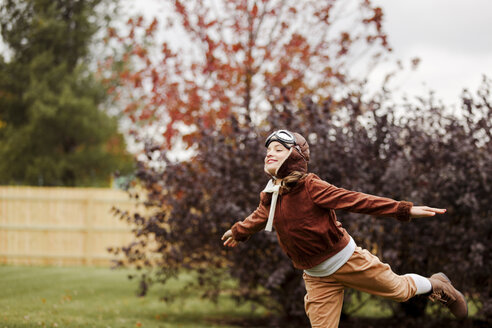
285, 137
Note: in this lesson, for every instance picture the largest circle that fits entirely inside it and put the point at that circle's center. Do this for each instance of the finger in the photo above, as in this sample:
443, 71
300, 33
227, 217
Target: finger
431, 212
434, 209
427, 213
226, 235
422, 213
229, 242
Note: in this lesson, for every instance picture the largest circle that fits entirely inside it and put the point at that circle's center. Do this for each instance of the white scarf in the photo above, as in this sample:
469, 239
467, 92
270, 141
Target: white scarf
274, 189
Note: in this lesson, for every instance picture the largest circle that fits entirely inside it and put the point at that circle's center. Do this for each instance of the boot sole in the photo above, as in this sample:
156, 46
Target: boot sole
466, 303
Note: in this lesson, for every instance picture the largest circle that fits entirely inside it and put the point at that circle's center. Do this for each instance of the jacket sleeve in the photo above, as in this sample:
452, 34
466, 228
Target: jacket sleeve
256, 221
328, 196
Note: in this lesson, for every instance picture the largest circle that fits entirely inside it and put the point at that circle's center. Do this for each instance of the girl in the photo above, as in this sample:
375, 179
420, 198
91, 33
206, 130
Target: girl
301, 207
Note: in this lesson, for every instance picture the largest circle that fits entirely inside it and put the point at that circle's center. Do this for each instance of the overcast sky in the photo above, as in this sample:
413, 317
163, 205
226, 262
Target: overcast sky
452, 38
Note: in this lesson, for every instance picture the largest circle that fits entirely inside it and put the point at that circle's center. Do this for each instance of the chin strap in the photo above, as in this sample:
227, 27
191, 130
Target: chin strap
274, 189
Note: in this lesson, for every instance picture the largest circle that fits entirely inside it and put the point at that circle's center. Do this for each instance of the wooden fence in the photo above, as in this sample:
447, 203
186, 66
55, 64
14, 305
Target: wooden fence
61, 226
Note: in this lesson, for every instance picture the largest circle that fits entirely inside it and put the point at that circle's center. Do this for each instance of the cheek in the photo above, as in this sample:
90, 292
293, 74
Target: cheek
284, 156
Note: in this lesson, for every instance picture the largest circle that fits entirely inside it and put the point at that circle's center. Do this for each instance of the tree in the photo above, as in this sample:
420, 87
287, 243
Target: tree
238, 59
52, 131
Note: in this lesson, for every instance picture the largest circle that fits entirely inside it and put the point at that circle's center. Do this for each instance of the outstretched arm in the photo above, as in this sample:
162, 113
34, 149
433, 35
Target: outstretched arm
242, 230
328, 196
425, 211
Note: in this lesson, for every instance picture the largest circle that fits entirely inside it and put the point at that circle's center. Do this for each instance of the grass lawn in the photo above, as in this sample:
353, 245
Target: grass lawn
100, 297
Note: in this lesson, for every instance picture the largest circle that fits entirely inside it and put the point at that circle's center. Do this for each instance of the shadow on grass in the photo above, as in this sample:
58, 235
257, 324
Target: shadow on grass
426, 322
359, 323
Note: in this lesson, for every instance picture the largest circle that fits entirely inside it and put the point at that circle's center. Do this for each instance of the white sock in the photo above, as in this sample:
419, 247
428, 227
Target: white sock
423, 284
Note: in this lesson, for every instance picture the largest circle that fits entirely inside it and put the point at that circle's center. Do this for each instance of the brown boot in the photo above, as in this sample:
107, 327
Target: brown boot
444, 292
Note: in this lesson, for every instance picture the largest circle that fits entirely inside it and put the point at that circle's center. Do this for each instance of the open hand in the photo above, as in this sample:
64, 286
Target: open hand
425, 211
229, 241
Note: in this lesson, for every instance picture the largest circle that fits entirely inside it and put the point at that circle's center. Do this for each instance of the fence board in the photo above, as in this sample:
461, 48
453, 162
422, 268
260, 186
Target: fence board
61, 226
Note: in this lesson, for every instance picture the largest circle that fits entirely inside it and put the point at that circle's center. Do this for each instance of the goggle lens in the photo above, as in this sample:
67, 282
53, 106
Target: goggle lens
281, 135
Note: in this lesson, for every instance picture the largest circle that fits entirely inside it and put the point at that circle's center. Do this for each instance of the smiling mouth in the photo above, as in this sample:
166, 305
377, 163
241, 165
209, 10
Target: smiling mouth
270, 161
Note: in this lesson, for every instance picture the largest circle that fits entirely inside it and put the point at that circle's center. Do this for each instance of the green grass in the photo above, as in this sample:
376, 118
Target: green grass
100, 297
365, 307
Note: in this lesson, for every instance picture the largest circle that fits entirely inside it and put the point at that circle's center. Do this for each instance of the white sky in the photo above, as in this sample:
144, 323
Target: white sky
452, 38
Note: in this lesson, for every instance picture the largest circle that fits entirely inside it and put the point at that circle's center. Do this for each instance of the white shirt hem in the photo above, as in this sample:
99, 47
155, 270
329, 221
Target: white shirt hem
332, 264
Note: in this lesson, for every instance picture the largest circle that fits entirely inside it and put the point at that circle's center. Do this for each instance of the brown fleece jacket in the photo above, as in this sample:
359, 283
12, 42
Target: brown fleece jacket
305, 220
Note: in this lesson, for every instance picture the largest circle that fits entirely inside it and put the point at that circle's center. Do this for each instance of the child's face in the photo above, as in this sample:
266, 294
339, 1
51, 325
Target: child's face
275, 156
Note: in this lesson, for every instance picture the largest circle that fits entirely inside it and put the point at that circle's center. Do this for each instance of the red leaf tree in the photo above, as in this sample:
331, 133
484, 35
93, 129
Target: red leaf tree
199, 62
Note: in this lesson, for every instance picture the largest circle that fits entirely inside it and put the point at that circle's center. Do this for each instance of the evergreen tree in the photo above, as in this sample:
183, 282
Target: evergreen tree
52, 130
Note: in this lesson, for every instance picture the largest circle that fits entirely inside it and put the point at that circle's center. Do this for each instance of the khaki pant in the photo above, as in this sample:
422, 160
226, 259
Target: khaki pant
363, 271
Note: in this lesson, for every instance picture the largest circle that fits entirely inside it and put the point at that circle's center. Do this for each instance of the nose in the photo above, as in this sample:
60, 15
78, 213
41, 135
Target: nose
269, 153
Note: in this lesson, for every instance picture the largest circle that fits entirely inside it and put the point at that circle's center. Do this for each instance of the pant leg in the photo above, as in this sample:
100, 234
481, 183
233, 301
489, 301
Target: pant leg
323, 301
365, 272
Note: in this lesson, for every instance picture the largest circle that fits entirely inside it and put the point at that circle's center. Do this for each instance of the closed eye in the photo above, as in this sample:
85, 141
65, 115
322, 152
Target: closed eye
277, 150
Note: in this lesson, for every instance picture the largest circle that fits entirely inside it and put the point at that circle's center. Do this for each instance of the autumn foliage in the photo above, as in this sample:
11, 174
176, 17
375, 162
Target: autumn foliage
197, 62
